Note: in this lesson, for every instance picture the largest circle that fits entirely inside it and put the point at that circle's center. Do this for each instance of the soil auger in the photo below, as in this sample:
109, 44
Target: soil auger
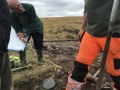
107, 44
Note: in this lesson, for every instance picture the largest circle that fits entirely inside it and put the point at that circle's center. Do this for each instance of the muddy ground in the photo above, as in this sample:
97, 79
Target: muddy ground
64, 54
61, 53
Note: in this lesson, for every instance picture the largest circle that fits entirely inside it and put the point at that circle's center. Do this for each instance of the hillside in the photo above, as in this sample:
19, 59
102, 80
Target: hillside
55, 28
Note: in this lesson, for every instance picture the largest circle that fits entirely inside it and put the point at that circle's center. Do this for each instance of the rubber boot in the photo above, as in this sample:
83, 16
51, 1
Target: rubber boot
73, 85
39, 55
22, 57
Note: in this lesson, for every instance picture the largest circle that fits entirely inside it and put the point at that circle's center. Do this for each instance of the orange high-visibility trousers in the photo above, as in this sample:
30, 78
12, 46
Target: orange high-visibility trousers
90, 48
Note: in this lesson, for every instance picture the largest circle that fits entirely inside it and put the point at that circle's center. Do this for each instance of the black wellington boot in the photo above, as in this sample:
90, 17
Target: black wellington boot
39, 55
23, 57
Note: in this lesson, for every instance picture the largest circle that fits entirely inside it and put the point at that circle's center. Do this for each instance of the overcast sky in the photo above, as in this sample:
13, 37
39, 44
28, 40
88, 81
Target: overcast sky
57, 8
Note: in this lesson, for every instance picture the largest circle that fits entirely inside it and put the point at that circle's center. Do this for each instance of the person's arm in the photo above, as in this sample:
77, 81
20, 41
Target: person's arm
84, 24
18, 29
16, 25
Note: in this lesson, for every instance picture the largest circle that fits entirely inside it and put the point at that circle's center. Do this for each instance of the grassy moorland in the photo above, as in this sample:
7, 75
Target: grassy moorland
55, 28
62, 28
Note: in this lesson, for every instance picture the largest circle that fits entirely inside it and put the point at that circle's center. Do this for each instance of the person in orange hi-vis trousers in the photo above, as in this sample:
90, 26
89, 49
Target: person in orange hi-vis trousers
95, 22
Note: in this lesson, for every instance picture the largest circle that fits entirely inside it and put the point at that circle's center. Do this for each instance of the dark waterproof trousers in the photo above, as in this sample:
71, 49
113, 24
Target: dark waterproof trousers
5, 72
37, 40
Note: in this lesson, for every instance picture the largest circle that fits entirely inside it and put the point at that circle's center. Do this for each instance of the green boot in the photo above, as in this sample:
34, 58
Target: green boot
23, 57
39, 55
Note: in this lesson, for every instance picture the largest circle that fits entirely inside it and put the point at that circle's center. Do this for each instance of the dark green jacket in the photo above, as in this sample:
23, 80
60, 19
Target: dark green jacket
98, 16
27, 20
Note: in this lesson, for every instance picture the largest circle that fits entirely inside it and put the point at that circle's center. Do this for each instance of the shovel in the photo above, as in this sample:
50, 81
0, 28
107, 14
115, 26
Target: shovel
50, 82
21, 68
107, 44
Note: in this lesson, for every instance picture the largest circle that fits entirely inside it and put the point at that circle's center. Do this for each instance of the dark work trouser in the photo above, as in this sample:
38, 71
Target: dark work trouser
38, 40
5, 72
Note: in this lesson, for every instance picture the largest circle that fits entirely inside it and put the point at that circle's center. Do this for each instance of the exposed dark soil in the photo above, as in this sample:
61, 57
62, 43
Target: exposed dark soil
64, 53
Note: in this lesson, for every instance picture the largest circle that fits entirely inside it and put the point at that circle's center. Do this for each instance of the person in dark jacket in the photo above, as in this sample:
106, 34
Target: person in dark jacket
97, 17
26, 22
5, 28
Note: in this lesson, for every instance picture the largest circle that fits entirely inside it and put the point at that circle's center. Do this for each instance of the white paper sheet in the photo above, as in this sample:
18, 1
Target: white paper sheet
15, 43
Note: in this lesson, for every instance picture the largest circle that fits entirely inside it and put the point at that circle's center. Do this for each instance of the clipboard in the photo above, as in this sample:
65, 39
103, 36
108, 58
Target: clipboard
15, 43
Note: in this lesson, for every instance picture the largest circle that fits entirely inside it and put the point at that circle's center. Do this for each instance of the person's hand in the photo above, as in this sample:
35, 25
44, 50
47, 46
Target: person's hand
23, 39
22, 36
81, 33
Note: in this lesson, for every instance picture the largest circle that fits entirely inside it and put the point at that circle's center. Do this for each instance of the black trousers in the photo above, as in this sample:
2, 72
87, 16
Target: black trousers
37, 40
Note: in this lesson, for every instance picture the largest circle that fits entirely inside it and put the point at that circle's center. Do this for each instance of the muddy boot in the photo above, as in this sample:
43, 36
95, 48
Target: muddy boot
39, 55
22, 57
73, 85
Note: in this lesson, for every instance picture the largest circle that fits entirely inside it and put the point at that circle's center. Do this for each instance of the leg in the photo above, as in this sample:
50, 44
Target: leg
38, 44
76, 79
114, 71
5, 72
88, 52
22, 55
113, 62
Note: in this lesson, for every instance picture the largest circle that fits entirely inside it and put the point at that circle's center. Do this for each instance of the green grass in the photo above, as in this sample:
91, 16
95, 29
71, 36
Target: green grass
54, 27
